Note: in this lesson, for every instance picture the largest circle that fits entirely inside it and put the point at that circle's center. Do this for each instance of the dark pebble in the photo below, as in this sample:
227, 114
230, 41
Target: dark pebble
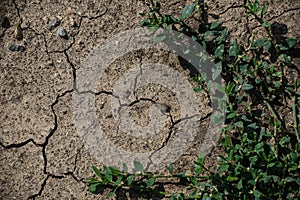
5, 22
62, 33
15, 47
52, 24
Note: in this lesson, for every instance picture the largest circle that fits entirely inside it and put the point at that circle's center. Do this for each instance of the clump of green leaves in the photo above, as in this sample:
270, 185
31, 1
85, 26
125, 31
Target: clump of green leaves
261, 150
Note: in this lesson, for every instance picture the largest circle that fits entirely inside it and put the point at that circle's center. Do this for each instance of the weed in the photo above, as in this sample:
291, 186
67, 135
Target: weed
261, 150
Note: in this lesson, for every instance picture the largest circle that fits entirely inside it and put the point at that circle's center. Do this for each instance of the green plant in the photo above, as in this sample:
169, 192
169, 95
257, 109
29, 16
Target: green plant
261, 150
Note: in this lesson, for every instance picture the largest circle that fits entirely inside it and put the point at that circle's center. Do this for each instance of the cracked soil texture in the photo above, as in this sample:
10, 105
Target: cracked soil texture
41, 156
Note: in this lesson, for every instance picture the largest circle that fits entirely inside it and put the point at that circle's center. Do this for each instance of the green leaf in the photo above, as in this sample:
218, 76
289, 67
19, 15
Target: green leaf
257, 194
211, 35
231, 115
169, 19
97, 171
108, 173
223, 168
198, 168
263, 11
217, 117
94, 187
260, 42
152, 28
160, 38
219, 51
222, 37
145, 22
118, 181
240, 184
297, 84
157, 5
293, 167
115, 170
247, 86
266, 24
201, 158
289, 179
197, 89
215, 25
291, 42
149, 182
125, 168
263, 42
188, 10
216, 70
285, 58
284, 140
231, 178
244, 68
234, 49
239, 124
194, 180
288, 43
91, 181
254, 6
130, 179
138, 167
199, 163
111, 193
180, 174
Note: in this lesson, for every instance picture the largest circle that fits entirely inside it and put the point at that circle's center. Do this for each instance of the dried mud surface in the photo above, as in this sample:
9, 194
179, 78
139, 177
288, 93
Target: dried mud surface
41, 155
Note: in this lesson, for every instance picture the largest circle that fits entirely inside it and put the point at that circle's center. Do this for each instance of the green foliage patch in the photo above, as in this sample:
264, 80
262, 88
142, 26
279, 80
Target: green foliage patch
261, 149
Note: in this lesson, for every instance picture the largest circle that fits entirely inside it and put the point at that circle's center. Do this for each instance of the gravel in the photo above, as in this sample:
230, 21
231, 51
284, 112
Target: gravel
53, 23
62, 33
15, 47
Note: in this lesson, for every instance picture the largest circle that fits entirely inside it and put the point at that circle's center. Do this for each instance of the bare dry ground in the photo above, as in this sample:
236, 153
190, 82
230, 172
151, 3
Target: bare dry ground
42, 156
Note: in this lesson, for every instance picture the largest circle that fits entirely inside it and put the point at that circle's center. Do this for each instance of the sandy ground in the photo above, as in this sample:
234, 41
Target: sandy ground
42, 156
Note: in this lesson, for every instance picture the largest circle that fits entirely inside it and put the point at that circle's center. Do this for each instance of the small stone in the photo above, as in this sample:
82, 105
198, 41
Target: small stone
5, 22
53, 23
62, 33
21, 48
15, 47
164, 108
12, 47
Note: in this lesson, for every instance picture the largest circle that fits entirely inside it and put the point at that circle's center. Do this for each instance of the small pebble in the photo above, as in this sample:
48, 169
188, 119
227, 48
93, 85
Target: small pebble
15, 47
164, 108
62, 33
5, 22
53, 23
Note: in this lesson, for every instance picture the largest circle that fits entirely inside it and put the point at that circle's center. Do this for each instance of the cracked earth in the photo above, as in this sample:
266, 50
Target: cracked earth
42, 156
